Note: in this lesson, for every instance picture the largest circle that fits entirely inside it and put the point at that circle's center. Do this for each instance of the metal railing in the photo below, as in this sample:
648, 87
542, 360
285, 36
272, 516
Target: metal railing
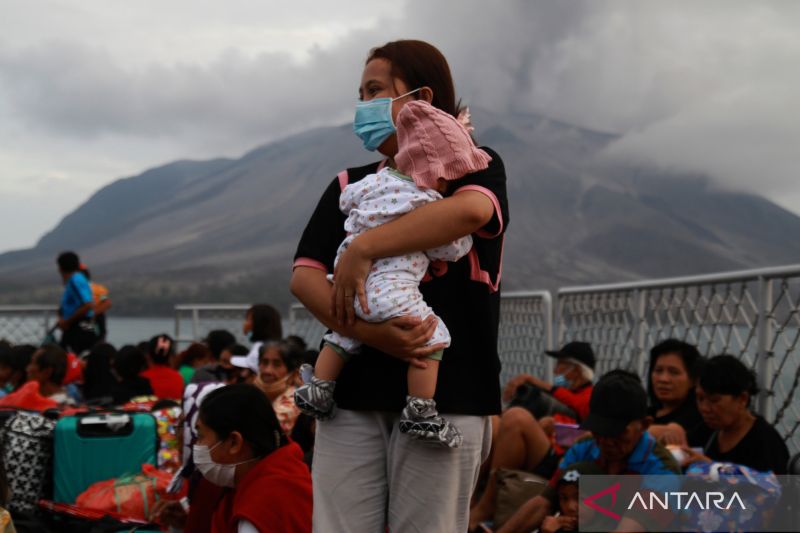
525, 332
194, 321
26, 324
751, 314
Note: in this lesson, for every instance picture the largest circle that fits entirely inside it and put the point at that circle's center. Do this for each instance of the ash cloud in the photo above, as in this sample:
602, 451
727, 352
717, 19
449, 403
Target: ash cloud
707, 87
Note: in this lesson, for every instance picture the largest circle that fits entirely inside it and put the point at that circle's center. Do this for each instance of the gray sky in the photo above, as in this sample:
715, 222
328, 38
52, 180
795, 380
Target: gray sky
95, 90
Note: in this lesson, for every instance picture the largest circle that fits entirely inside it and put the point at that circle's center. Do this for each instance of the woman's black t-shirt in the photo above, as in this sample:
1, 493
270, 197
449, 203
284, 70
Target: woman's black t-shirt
464, 294
762, 448
688, 417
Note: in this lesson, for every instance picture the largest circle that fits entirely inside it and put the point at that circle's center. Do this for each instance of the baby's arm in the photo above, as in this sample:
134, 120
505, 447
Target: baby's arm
351, 196
452, 251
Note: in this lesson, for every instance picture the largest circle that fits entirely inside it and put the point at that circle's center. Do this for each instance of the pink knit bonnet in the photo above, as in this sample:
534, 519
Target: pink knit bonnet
433, 144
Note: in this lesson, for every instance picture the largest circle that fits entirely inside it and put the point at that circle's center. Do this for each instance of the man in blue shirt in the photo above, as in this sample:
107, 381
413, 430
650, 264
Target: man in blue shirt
620, 445
77, 306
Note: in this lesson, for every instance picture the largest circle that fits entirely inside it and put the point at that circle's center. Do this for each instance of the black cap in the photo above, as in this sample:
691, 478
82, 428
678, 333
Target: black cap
580, 351
617, 400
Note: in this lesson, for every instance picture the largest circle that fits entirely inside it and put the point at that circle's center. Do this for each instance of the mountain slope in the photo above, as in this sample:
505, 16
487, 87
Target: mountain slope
225, 230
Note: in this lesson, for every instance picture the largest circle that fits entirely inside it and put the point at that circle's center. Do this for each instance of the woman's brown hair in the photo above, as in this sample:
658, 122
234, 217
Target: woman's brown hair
266, 321
420, 64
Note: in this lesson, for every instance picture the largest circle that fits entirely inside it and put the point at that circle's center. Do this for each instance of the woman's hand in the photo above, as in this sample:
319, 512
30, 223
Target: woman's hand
169, 513
548, 425
515, 383
552, 524
402, 337
694, 457
349, 280
671, 433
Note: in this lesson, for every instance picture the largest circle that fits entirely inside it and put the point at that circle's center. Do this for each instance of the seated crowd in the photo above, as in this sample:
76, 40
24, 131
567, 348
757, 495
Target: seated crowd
247, 450
694, 410
241, 432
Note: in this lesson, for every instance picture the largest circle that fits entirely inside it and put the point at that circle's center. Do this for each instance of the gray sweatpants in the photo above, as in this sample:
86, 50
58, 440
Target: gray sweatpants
367, 475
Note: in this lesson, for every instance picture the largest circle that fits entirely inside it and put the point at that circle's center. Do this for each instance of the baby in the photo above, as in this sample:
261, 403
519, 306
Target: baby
433, 148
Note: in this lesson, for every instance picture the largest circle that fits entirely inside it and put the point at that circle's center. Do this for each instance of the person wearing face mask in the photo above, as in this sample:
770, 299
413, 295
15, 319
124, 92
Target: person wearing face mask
273, 368
526, 432
434, 148
571, 386
240, 446
619, 445
368, 475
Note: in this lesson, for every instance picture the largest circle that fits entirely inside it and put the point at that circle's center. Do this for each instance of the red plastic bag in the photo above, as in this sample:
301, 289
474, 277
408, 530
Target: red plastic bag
133, 496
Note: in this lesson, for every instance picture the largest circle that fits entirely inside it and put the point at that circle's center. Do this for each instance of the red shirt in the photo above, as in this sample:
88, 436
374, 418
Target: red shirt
577, 400
28, 397
204, 497
275, 496
165, 382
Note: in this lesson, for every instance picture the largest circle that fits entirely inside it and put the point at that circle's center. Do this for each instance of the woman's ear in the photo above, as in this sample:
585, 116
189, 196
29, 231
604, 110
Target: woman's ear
237, 442
426, 93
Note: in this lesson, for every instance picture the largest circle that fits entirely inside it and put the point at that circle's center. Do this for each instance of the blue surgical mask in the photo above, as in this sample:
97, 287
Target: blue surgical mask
560, 380
373, 121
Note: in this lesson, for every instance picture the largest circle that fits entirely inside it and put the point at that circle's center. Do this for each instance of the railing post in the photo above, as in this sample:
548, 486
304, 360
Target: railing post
195, 322
559, 309
547, 304
46, 323
640, 301
764, 366
292, 318
177, 325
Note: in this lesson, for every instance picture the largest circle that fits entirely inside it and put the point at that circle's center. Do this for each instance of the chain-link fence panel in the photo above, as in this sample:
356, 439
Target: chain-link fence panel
524, 335
752, 315
783, 352
717, 318
26, 324
608, 320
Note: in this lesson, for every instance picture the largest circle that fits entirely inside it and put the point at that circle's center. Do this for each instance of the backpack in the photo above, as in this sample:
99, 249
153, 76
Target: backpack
27, 453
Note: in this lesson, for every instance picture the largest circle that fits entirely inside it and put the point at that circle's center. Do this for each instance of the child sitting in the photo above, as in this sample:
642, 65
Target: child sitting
433, 148
566, 518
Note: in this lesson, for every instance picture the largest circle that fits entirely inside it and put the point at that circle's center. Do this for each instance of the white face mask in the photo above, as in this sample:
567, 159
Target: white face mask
219, 474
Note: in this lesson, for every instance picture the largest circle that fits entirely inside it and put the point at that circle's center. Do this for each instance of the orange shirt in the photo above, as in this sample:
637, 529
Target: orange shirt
99, 292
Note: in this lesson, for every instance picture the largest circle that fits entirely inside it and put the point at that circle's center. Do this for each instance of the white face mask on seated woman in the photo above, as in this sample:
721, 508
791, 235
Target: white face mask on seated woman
219, 474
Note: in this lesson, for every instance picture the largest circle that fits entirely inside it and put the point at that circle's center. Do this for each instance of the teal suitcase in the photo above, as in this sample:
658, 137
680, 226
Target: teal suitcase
94, 447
